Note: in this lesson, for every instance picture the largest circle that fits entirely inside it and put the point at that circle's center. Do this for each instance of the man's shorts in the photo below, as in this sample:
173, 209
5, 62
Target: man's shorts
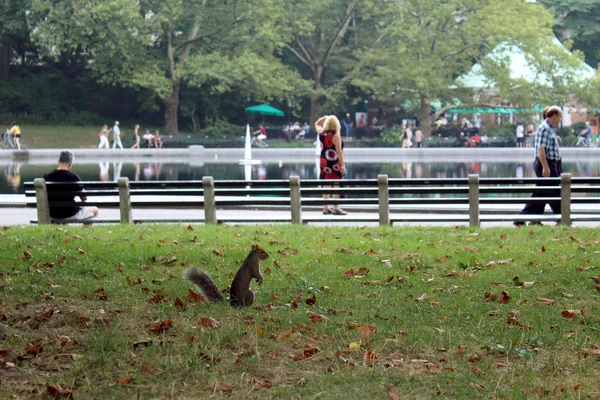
83, 214
261, 136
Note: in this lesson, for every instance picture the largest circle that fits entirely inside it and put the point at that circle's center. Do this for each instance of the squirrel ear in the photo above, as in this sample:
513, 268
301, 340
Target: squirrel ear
254, 247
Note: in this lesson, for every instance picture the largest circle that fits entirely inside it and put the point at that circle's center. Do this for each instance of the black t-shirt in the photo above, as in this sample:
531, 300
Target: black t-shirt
61, 175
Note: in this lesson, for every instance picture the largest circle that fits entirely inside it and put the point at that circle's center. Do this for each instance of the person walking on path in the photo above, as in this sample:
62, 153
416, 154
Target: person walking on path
419, 138
15, 130
116, 136
547, 162
332, 164
103, 134
63, 174
520, 135
136, 136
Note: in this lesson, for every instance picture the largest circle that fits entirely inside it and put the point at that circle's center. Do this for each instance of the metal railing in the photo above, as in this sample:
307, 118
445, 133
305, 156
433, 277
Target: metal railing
383, 200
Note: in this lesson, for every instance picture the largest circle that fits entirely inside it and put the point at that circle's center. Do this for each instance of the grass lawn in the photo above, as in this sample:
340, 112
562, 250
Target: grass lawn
75, 137
352, 313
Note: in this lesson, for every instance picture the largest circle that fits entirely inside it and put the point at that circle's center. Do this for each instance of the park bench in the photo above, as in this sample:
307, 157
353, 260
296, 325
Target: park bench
384, 201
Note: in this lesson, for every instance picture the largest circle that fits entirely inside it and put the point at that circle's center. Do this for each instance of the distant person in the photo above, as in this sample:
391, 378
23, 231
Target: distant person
260, 134
116, 136
419, 138
466, 123
587, 133
477, 139
547, 161
362, 122
306, 128
332, 164
520, 135
103, 134
149, 138
63, 174
529, 135
158, 142
349, 124
136, 137
374, 122
15, 130
485, 141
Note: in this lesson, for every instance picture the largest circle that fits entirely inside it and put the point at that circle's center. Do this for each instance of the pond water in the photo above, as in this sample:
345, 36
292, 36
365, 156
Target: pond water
13, 175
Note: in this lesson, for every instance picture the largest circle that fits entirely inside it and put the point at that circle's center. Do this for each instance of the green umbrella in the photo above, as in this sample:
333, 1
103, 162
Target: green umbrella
264, 109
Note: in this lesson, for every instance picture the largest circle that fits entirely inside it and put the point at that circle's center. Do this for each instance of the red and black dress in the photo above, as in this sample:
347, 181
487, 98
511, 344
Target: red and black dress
330, 162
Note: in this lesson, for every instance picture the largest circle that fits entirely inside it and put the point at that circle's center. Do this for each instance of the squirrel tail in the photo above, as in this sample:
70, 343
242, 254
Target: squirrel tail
207, 286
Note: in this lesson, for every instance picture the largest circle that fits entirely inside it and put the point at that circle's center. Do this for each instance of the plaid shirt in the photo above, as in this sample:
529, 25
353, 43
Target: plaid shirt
547, 138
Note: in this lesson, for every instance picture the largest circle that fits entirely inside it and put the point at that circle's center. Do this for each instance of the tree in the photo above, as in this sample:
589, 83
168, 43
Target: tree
162, 45
425, 45
579, 21
14, 34
322, 41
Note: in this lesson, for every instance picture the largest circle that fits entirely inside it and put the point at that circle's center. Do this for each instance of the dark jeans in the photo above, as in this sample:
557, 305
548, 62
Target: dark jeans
555, 171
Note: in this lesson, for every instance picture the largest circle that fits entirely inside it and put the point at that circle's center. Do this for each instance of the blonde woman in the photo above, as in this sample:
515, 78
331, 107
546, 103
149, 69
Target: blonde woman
332, 157
136, 136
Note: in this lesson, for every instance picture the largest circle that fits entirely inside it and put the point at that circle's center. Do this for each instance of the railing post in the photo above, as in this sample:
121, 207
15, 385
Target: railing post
565, 199
125, 200
210, 204
474, 200
384, 199
295, 199
42, 203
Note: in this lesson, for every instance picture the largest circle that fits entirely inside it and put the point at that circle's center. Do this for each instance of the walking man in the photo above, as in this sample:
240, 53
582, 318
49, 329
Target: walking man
547, 162
116, 136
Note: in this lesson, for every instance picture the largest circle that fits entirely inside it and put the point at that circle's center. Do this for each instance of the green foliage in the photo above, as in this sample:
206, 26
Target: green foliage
222, 128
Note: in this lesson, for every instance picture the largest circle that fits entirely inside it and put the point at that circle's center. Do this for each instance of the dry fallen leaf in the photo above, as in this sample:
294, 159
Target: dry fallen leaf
194, 297
571, 313
366, 332
208, 322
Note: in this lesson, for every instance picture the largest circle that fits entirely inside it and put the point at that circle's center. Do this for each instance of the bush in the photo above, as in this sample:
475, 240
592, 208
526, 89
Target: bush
222, 128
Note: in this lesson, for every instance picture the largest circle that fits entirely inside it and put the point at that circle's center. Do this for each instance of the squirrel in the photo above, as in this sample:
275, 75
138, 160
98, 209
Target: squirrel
240, 293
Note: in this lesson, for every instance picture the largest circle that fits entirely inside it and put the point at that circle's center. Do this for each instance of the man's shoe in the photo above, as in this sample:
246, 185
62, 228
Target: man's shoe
532, 223
518, 223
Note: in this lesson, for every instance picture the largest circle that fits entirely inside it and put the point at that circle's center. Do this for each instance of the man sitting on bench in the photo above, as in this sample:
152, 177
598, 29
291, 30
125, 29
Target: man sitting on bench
63, 174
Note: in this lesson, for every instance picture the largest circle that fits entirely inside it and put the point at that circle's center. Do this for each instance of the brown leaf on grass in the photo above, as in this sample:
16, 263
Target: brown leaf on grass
56, 391
345, 250
257, 383
194, 297
217, 254
179, 303
80, 251
208, 322
476, 370
543, 249
512, 321
316, 318
452, 274
595, 278
504, 298
125, 381
189, 228
26, 255
392, 393
366, 332
34, 347
103, 297
571, 313
45, 315
311, 300
461, 350
160, 326
362, 271
368, 358
170, 261
273, 297
225, 387
422, 298
589, 352
503, 236
490, 296
541, 301
477, 386
296, 300
62, 260
309, 350
157, 299
471, 248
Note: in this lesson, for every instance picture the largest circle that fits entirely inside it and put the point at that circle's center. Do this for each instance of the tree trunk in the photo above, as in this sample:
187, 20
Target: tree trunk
4, 61
316, 108
172, 109
425, 116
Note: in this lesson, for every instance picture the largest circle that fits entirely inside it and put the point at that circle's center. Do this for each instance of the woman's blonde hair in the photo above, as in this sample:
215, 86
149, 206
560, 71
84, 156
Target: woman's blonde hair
332, 124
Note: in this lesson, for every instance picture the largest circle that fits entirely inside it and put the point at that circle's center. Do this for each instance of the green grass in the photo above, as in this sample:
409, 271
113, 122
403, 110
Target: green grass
434, 332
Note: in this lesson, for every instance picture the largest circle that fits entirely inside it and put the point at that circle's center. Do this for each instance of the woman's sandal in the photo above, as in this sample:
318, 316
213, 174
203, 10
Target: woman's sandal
339, 211
326, 211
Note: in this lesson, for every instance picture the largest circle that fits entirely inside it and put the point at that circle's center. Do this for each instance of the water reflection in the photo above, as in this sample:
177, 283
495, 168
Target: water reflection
16, 173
